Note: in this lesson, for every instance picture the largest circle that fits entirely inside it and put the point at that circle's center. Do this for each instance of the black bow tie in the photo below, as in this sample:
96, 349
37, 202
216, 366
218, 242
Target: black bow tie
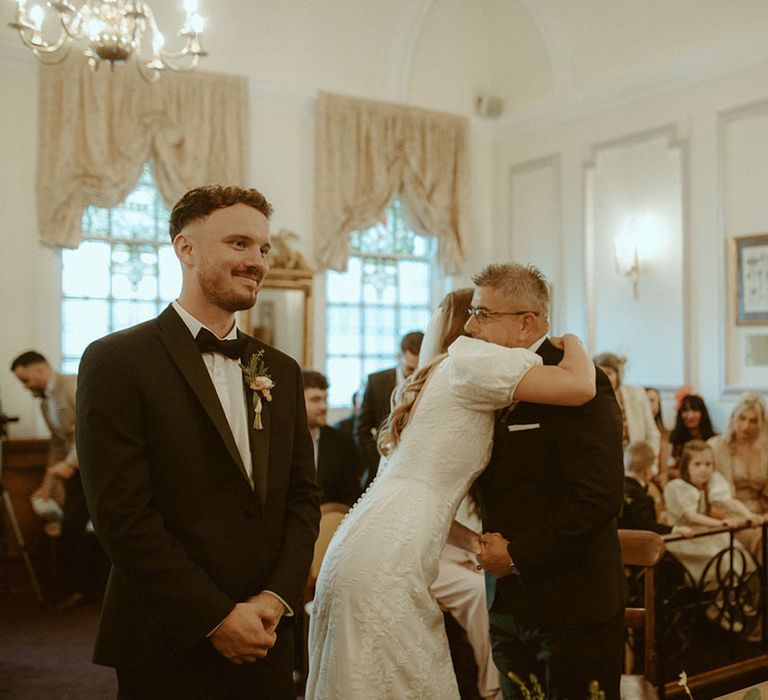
208, 342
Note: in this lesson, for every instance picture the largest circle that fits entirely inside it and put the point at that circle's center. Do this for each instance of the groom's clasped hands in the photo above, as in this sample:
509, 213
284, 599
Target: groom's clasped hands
248, 632
494, 555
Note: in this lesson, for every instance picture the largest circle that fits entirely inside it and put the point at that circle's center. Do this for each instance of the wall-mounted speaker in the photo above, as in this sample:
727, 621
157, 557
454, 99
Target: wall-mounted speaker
488, 106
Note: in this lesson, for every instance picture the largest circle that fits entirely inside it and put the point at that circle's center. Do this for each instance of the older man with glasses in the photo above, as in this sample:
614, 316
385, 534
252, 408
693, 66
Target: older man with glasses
549, 500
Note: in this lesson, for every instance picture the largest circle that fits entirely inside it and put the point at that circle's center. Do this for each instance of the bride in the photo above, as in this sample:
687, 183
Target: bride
375, 630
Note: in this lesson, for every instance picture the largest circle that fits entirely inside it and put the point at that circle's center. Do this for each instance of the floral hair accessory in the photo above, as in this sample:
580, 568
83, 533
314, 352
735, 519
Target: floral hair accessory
681, 393
260, 383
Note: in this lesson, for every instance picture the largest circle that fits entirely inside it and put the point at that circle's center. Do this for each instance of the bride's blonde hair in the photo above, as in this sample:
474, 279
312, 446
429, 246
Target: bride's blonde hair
454, 307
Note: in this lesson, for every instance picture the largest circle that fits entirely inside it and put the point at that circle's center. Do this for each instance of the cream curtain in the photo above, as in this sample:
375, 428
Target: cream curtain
369, 152
98, 129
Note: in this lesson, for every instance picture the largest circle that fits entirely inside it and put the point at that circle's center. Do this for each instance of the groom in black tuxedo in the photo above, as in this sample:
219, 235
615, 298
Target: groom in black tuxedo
200, 481
549, 500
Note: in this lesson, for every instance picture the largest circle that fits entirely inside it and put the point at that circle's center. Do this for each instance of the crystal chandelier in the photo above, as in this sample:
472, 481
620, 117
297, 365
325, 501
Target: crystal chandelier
114, 30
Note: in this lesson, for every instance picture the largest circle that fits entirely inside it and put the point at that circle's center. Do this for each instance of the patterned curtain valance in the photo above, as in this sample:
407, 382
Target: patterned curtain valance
369, 152
98, 129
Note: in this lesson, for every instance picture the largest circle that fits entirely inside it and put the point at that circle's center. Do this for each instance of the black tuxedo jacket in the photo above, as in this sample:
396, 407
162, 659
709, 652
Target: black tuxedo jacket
187, 534
374, 408
553, 488
339, 467
639, 511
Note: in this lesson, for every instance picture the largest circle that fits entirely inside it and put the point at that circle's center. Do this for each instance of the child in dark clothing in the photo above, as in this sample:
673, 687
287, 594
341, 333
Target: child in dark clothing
639, 512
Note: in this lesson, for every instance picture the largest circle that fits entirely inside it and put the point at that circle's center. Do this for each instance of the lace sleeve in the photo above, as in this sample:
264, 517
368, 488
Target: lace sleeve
483, 376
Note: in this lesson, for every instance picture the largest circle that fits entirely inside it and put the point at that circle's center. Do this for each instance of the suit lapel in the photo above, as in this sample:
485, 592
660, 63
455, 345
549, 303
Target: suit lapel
259, 439
181, 346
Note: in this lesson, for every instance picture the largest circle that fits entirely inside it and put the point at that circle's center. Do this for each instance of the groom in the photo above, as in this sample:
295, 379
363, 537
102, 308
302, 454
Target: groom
549, 499
200, 484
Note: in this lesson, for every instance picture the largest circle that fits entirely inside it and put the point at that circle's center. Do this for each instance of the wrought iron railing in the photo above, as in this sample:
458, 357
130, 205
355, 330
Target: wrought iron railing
713, 622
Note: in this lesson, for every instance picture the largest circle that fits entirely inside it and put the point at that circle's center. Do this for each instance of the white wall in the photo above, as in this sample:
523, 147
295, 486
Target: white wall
29, 272
694, 158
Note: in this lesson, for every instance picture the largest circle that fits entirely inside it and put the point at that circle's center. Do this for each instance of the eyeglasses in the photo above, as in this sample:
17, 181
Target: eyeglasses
483, 315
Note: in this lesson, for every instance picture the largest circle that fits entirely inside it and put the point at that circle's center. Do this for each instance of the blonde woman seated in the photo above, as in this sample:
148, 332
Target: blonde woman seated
702, 498
741, 456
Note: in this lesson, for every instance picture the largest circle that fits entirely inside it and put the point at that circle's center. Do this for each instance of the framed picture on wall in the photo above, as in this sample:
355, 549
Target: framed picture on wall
751, 253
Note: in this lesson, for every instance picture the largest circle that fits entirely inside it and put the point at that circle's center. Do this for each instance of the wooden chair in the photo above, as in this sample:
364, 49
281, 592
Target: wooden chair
642, 548
331, 515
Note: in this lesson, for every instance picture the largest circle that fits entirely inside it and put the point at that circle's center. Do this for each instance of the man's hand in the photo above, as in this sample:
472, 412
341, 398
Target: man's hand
242, 637
494, 556
44, 490
63, 470
269, 609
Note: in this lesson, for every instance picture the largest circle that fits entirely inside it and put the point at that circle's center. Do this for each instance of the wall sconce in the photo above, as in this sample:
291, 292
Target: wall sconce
627, 258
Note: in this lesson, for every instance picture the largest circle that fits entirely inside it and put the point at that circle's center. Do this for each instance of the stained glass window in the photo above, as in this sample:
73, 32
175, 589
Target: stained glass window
388, 290
124, 271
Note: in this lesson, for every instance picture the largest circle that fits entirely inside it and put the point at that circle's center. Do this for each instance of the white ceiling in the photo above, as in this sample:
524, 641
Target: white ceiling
534, 54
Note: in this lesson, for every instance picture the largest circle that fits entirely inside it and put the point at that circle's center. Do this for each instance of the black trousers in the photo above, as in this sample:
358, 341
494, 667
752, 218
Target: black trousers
204, 674
73, 558
565, 661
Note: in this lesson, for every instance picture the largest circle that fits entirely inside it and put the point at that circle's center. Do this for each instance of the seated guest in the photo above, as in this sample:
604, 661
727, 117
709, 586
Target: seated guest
741, 456
639, 512
654, 399
702, 497
639, 424
337, 459
348, 424
692, 423
78, 572
376, 401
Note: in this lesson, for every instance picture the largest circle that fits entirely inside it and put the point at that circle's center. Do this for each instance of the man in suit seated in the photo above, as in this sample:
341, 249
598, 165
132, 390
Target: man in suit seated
77, 561
337, 459
374, 407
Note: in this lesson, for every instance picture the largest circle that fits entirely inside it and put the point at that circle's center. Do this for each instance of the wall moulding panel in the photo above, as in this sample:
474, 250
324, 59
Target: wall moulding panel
742, 135
535, 221
635, 207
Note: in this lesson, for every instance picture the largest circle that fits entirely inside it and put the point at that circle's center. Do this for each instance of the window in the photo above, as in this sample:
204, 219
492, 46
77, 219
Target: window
124, 272
388, 290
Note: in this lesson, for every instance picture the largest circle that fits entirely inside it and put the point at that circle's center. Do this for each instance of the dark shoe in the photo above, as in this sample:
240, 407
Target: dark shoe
70, 601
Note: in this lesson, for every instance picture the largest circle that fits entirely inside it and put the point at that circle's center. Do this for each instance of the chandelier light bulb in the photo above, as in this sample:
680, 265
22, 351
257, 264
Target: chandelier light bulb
191, 6
197, 24
158, 42
21, 4
36, 15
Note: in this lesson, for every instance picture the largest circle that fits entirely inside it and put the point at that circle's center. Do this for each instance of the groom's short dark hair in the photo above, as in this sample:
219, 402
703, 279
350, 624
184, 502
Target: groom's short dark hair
524, 282
203, 201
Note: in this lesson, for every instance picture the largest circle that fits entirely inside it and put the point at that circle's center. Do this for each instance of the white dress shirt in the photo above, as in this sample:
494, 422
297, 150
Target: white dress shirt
227, 378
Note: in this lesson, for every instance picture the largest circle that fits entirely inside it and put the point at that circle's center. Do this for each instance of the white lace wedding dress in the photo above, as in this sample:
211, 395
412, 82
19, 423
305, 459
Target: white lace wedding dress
375, 630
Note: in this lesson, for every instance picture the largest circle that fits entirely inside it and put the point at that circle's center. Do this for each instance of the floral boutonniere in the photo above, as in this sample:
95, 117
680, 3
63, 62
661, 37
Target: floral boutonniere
257, 377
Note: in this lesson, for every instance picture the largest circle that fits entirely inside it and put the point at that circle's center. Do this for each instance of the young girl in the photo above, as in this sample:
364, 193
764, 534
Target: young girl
702, 497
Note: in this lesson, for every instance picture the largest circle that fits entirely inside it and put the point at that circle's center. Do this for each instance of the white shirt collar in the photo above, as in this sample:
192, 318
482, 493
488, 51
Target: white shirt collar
194, 325
537, 343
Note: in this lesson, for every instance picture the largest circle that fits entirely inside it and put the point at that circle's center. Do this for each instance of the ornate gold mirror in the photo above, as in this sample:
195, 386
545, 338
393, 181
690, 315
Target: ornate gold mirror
282, 316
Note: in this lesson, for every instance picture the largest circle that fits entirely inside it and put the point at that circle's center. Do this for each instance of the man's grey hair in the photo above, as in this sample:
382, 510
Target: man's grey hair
524, 283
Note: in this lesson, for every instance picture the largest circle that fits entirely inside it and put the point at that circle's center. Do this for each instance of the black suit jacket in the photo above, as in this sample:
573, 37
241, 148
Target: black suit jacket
374, 408
186, 533
639, 511
339, 467
554, 489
